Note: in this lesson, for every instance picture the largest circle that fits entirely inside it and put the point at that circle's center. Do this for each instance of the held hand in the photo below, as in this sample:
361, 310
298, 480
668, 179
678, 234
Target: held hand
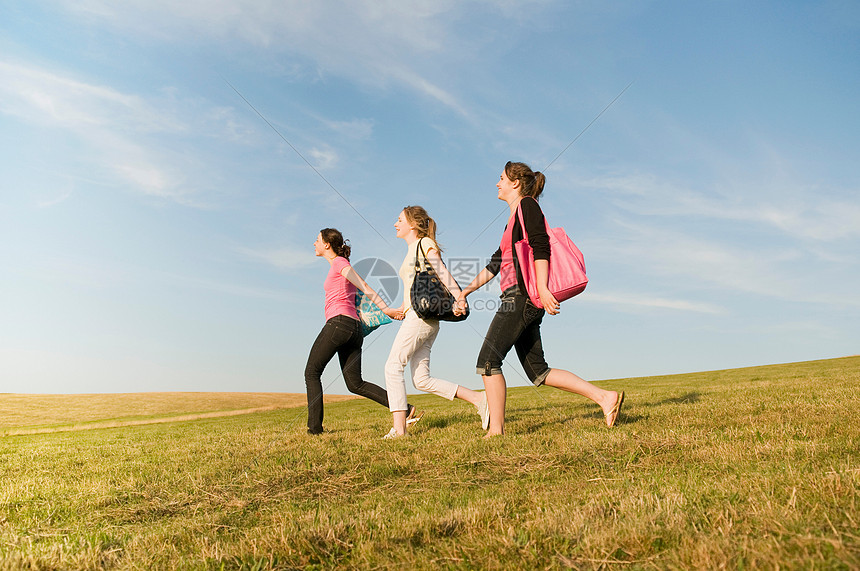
393, 313
460, 305
550, 304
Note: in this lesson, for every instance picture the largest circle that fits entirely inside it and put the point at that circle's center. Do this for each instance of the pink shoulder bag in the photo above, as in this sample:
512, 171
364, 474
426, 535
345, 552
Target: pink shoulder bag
566, 264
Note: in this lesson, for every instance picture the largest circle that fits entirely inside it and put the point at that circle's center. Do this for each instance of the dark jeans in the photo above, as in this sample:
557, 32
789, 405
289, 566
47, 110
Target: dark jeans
341, 335
516, 324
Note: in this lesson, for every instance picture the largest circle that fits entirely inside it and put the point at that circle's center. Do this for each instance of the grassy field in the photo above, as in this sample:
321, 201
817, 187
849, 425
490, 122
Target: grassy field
748, 468
37, 414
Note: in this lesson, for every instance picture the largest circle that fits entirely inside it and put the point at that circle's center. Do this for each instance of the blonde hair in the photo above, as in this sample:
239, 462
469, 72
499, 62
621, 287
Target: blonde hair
421, 221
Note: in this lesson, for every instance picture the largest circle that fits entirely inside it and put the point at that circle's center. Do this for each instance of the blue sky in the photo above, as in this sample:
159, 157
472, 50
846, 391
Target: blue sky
156, 233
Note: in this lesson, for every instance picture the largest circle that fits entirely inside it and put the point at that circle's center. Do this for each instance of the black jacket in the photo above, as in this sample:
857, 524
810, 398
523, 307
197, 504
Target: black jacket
538, 238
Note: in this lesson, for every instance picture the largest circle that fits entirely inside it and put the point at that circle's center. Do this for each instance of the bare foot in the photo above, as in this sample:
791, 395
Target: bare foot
608, 402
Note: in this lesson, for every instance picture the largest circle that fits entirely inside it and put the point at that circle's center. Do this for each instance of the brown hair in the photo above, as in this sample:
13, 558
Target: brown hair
531, 183
421, 221
334, 238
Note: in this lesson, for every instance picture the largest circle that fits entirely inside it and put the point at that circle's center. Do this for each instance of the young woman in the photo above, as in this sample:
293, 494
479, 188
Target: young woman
415, 338
341, 333
517, 322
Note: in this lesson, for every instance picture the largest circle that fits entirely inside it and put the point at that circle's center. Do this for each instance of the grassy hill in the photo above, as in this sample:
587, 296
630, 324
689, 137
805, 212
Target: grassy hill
746, 468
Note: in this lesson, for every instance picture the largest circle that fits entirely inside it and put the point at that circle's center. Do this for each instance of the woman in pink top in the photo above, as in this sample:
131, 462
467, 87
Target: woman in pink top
341, 333
516, 324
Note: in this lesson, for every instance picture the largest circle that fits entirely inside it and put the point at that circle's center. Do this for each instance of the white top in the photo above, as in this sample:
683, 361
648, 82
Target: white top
407, 268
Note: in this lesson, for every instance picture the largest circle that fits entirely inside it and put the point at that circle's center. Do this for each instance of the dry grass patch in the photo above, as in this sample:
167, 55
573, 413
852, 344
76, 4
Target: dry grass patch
32, 413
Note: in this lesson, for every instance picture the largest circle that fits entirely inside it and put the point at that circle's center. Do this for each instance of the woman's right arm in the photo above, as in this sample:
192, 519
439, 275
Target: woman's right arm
482, 278
486, 274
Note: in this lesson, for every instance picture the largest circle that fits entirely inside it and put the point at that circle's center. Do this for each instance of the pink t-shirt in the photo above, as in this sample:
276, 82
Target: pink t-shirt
507, 273
339, 291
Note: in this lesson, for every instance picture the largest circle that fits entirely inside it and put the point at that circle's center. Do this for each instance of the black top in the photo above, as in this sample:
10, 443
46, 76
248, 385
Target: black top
538, 238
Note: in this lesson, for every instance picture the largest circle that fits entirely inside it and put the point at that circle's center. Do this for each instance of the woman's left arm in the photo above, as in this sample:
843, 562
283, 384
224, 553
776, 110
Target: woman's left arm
358, 282
539, 241
550, 303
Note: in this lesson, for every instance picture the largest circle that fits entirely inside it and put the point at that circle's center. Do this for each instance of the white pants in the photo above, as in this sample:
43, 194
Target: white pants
412, 345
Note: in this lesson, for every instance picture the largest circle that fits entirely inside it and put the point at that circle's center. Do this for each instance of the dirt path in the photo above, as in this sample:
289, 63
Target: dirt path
23, 414
120, 423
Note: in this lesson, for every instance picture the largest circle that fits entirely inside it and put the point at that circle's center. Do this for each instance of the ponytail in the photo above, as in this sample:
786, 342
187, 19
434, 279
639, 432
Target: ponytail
421, 221
531, 182
334, 238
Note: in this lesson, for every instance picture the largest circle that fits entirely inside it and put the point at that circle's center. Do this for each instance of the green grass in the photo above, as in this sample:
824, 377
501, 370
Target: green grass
748, 468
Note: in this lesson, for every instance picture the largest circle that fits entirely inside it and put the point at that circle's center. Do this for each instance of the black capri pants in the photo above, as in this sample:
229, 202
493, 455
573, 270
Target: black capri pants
516, 324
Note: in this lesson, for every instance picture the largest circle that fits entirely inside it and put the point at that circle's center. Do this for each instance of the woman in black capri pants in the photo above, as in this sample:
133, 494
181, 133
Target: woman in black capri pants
517, 322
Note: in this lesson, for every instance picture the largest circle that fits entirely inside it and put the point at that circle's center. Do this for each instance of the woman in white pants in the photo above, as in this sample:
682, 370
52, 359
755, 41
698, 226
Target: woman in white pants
416, 336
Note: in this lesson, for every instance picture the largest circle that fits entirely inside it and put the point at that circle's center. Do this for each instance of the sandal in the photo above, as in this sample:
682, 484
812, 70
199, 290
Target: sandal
612, 415
413, 415
484, 411
392, 434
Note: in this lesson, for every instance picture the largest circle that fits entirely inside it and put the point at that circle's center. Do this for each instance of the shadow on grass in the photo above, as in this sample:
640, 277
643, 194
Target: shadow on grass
439, 421
689, 398
629, 416
559, 413
624, 417
435, 418
632, 417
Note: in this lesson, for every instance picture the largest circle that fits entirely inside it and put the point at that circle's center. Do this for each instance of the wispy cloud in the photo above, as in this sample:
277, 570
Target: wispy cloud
645, 302
47, 203
804, 212
667, 254
358, 129
222, 287
423, 85
287, 258
372, 43
107, 122
97, 275
324, 158
43, 97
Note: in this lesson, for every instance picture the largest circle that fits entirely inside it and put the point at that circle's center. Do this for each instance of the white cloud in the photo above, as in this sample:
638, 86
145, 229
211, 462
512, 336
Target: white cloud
323, 158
